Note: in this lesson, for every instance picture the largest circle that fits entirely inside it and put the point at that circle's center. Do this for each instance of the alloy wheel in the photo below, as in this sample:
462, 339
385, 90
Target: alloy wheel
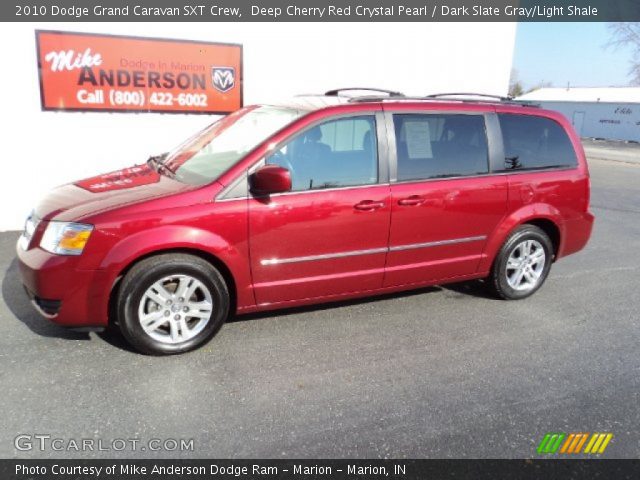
175, 309
525, 265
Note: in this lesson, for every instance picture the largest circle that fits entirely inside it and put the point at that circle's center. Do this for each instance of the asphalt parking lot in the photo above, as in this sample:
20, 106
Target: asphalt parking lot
442, 372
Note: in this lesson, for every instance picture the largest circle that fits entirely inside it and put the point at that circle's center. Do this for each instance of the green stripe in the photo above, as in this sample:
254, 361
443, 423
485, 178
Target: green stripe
558, 443
550, 443
543, 443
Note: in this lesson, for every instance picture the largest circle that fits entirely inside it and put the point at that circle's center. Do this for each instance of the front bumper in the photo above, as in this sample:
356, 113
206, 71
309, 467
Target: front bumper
62, 292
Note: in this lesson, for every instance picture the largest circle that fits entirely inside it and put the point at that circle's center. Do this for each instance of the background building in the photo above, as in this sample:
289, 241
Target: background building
43, 149
611, 113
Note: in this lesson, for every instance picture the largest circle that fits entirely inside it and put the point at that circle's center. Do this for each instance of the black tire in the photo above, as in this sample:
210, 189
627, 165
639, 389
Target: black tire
498, 281
150, 270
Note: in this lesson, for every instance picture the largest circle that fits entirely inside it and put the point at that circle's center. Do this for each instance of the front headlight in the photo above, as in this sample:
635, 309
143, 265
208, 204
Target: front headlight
65, 238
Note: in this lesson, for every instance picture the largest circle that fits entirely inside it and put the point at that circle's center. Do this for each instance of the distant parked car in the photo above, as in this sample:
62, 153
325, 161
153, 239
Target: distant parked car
324, 198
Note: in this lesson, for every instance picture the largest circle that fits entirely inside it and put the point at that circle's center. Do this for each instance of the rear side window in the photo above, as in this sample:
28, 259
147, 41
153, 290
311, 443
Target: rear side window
535, 142
440, 146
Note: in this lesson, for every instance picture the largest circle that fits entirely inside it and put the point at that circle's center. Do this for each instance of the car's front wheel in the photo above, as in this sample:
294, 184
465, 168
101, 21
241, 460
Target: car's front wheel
171, 303
523, 263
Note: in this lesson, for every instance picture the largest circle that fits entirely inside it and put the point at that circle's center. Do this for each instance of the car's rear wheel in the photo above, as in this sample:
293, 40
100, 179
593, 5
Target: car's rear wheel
523, 263
171, 303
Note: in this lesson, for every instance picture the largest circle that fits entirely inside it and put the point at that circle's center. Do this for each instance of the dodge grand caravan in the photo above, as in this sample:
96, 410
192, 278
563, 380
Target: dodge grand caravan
327, 197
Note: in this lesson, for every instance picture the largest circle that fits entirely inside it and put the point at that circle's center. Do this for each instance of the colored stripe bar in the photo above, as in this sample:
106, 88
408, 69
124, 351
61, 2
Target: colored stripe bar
572, 443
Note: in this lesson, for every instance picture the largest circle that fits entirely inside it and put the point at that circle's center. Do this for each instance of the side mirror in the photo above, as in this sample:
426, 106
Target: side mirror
270, 179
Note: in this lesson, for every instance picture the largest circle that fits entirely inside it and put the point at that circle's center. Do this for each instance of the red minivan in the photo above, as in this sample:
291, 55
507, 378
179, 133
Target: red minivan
327, 197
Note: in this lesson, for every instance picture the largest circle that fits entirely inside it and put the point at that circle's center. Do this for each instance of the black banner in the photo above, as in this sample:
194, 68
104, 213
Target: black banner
318, 11
316, 469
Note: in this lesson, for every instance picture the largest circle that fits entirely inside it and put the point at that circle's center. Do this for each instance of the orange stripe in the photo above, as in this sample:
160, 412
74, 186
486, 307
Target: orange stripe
566, 443
584, 439
576, 439
573, 442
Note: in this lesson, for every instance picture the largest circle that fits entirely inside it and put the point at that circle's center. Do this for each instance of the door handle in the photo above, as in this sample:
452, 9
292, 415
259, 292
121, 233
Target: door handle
413, 200
368, 205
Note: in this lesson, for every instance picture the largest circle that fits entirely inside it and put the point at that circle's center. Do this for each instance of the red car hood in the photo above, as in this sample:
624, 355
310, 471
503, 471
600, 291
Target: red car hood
93, 195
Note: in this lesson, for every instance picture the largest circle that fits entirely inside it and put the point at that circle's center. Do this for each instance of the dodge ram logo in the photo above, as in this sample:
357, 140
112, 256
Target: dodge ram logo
223, 78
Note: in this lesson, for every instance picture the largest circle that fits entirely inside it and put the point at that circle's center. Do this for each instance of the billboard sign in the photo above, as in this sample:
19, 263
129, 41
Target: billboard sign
94, 72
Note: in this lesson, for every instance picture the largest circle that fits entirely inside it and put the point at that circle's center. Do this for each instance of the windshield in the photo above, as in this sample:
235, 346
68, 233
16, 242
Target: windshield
212, 151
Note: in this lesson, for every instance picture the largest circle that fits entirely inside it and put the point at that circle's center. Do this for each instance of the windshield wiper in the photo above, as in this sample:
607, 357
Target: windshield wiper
156, 162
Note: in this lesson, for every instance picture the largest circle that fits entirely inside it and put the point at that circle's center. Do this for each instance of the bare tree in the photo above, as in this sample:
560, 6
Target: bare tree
515, 85
627, 34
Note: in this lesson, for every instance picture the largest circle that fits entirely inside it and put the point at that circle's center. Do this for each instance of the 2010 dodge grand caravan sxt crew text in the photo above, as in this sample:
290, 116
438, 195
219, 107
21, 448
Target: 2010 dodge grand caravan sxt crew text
324, 198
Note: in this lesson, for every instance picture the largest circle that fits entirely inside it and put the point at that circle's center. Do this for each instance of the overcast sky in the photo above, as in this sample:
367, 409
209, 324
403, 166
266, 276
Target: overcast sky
569, 52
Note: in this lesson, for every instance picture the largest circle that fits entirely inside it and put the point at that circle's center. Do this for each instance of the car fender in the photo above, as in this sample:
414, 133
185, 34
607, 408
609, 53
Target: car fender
176, 237
527, 213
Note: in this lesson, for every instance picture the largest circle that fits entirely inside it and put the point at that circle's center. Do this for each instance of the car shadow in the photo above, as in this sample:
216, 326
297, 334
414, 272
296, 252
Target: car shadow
19, 305
471, 288
113, 336
319, 307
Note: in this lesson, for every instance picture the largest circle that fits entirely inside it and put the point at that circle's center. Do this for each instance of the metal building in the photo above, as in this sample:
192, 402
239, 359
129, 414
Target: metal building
611, 113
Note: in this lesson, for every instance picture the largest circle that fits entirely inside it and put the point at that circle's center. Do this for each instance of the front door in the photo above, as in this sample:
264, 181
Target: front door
444, 203
329, 235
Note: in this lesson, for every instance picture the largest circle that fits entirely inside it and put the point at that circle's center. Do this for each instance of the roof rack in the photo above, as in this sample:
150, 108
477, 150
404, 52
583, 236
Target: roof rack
336, 92
444, 98
391, 95
481, 95
376, 98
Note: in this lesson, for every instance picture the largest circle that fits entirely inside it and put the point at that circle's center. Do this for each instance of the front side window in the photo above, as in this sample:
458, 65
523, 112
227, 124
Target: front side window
205, 156
337, 153
440, 146
532, 142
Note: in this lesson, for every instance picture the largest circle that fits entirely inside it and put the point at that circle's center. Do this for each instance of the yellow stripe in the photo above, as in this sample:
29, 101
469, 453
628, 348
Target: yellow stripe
579, 446
596, 445
605, 443
591, 442
566, 443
